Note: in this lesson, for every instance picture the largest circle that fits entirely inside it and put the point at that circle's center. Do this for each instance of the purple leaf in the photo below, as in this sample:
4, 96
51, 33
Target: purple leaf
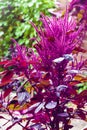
23, 97
36, 126
34, 106
42, 117
68, 57
51, 105
58, 60
73, 71
63, 114
39, 107
61, 88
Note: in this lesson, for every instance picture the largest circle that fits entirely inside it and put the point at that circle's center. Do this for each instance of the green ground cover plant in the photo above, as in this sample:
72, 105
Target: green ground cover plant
14, 20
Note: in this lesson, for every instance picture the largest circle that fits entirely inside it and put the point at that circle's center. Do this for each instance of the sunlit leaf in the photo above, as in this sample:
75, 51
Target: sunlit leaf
29, 88
80, 78
73, 71
23, 97
34, 105
51, 105
68, 57
39, 107
17, 107
58, 60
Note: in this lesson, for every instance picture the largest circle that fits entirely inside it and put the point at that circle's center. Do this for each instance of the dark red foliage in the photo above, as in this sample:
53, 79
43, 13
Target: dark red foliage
7, 92
7, 78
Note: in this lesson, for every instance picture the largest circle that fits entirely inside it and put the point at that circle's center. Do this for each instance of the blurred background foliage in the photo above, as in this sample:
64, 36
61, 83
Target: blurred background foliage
14, 20
82, 87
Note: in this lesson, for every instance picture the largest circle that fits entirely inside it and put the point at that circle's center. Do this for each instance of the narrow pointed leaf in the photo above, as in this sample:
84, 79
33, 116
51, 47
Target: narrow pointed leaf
39, 107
